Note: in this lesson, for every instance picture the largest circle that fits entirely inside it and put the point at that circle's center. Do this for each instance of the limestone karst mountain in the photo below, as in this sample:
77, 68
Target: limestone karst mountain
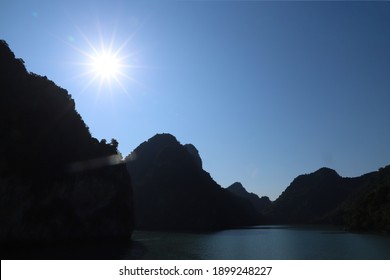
172, 191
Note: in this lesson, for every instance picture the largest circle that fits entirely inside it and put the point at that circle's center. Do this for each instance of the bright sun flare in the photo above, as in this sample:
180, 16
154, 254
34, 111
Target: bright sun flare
106, 65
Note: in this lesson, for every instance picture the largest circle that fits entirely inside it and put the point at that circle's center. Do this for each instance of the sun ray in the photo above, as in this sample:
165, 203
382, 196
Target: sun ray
108, 63
105, 63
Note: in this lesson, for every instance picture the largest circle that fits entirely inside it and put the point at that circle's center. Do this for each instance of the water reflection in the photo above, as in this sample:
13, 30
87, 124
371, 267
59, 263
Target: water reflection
281, 242
265, 242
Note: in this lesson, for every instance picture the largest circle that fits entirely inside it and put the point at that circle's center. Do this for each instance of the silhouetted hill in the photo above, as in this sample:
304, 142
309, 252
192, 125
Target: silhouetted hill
323, 197
172, 191
312, 197
258, 203
57, 182
369, 207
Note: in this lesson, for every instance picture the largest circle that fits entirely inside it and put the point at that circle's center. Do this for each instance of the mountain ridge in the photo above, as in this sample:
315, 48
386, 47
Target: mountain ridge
172, 191
324, 197
260, 203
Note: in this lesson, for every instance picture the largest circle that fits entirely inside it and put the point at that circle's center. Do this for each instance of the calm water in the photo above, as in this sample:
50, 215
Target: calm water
261, 243
276, 242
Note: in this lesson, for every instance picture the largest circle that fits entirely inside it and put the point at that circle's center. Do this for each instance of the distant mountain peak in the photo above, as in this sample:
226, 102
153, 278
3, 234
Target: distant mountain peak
162, 142
259, 203
150, 148
237, 188
163, 138
236, 185
325, 171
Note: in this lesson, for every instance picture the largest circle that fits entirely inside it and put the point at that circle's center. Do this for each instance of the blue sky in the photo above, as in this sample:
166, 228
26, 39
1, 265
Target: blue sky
265, 90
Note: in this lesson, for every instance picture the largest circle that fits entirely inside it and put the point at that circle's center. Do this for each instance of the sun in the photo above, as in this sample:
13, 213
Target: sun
106, 66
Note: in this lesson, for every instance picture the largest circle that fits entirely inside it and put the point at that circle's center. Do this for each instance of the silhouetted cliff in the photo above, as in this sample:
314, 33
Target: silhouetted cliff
311, 197
172, 191
369, 207
57, 183
258, 203
323, 197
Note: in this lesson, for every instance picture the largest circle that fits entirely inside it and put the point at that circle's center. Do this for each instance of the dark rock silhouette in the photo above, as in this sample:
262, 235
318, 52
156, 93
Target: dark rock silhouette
173, 192
368, 209
193, 151
258, 203
310, 197
57, 182
324, 197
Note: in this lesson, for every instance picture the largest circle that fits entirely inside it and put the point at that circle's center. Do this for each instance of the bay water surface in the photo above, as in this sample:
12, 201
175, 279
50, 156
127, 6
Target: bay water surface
253, 243
262, 242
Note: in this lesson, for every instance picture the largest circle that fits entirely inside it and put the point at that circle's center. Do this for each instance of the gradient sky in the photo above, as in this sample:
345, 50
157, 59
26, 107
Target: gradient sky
265, 90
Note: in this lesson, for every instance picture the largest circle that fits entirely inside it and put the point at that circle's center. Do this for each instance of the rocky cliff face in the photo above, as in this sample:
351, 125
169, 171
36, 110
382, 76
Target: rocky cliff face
172, 191
57, 183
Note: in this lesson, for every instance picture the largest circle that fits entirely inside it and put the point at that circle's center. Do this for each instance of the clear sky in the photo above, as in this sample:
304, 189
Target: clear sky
265, 90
